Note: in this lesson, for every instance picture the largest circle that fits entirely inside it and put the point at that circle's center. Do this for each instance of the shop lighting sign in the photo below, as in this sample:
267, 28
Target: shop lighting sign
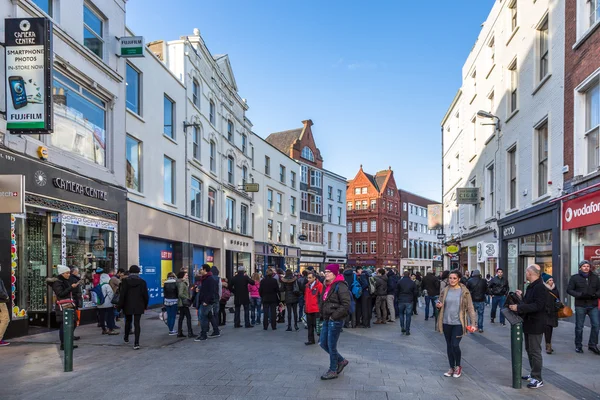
131, 46
467, 196
582, 211
12, 194
28, 95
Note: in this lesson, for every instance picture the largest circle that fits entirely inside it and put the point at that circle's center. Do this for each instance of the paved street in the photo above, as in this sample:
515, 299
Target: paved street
255, 364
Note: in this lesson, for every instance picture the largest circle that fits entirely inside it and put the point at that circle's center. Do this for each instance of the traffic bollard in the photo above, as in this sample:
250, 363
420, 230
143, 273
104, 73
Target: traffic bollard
67, 328
516, 352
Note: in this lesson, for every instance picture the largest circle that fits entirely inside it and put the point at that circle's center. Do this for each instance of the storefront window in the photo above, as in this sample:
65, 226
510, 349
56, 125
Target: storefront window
585, 242
512, 262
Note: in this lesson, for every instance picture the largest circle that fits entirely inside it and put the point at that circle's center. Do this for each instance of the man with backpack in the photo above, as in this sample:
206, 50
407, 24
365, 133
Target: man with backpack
352, 282
431, 285
381, 287
206, 296
406, 291
391, 290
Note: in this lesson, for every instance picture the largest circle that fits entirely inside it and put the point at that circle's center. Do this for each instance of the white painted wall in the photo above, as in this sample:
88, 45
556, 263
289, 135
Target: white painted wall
338, 185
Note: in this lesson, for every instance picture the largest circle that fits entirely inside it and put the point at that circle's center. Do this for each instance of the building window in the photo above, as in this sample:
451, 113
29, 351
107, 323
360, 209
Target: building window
357, 190
270, 229
373, 247
594, 11
339, 195
230, 136
211, 115
349, 244
512, 176
133, 176
357, 248
304, 202
244, 219
213, 157
168, 111
513, 86
72, 104
364, 226
329, 212
349, 227
339, 215
169, 180
230, 170
279, 202
195, 144
307, 154
229, 214
411, 209
513, 15
315, 205
93, 26
329, 192
492, 47
196, 198
267, 166
490, 189
44, 5
195, 93
269, 199
357, 205
357, 226
293, 179
543, 50
244, 175
282, 174
132, 94
303, 174
404, 243
329, 240
293, 205
542, 158
364, 190
404, 206
313, 232
349, 206
292, 234
592, 124
339, 241
373, 225
244, 143
404, 224
315, 178
373, 204
212, 204
279, 229
364, 205
364, 247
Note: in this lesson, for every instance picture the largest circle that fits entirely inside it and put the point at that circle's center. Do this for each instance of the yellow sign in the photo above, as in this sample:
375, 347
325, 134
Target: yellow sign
42, 153
452, 249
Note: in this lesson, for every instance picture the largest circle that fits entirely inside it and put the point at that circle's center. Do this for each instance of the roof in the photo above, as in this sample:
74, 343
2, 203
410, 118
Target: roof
380, 178
283, 141
372, 180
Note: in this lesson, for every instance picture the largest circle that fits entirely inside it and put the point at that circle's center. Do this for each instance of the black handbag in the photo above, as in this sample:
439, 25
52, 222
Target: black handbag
186, 302
115, 299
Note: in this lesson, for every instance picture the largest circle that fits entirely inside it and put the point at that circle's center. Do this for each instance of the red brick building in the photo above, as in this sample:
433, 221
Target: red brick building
373, 220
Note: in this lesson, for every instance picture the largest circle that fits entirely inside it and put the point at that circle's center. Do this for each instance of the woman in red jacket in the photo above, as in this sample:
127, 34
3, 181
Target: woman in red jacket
312, 291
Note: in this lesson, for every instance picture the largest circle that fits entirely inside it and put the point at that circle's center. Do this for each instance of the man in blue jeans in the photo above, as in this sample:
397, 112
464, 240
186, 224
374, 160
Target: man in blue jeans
207, 294
478, 288
406, 292
585, 287
430, 284
498, 288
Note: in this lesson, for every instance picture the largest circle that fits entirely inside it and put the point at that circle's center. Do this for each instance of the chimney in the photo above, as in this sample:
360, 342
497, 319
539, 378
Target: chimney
307, 123
157, 48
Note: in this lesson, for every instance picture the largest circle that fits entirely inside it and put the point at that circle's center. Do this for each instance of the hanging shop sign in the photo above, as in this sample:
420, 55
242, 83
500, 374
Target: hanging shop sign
12, 194
28, 71
582, 211
453, 249
486, 250
434, 216
467, 195
131, 46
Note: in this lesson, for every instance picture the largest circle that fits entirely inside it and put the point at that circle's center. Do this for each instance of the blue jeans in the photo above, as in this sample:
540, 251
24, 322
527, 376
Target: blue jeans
480, 308
497, 301
330, 333
171, 316
255, 310
214, 318
580, 313
300, 306
405, 315
432, 300
203, 313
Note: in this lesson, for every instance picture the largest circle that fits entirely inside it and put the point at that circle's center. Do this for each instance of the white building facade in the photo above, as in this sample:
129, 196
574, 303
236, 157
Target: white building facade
276, 212
335, 234
512, 162
422, 242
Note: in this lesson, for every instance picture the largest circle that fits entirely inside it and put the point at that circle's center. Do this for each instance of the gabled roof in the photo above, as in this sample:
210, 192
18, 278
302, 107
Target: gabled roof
372, 180
283, 141
380, 178
224, 65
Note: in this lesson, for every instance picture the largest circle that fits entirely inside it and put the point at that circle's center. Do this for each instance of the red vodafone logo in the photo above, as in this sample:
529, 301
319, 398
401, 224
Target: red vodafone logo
582, 211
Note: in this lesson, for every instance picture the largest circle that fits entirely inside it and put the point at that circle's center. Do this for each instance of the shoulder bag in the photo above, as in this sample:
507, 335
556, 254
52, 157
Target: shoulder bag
563, 311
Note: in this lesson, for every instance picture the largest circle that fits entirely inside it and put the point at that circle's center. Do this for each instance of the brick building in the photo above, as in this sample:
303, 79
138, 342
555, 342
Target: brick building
373, 220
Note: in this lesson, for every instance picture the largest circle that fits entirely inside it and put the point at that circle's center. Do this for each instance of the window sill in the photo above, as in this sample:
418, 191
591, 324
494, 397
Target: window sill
135, 192
512, 35
542, 82
586, 35
541, 198
472, 158
490, 71
511, 211
173, 206
195, 161
135, 115
490, 219
169, 138
586, 177
511, 115
197, 107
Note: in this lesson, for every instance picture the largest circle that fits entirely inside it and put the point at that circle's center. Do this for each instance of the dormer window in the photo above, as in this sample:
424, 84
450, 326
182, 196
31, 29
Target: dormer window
308, 154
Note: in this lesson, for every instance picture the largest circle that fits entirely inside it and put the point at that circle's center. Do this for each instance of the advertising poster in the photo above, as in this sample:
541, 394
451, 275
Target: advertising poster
28, 74
434, 216
592, 254
166, 265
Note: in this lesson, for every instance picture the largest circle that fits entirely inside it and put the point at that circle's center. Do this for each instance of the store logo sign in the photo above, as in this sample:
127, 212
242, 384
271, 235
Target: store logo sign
508, 231
582, 211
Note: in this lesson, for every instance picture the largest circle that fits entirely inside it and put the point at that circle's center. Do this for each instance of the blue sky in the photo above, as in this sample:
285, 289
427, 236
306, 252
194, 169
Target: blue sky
376, 77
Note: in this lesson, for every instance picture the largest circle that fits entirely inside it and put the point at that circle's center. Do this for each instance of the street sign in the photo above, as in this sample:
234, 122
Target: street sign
251, 187
467, 195
441, 236
131, 46
302, 237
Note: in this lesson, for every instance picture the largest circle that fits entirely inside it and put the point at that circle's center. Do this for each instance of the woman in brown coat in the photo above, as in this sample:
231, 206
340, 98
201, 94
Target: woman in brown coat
455, 307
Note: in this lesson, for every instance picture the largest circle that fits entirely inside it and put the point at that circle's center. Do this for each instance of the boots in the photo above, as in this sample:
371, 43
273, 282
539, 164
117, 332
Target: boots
180, 334
296, 327
190, 334
549, 349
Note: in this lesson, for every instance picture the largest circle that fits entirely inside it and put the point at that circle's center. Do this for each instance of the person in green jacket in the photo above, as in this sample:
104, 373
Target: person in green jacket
184, 302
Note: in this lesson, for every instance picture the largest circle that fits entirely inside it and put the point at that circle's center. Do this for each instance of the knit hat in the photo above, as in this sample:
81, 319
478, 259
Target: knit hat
99, 270
582, 262
546, 277
333, 268
62, 269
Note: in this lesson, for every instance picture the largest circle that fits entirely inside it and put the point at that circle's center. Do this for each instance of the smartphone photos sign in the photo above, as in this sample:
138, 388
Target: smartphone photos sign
28, 75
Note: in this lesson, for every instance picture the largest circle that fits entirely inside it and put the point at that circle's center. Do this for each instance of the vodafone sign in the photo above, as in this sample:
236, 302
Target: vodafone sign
582, 211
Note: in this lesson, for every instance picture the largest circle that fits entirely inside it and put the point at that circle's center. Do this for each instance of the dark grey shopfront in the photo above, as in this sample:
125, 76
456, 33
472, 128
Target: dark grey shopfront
531, 236
69, 219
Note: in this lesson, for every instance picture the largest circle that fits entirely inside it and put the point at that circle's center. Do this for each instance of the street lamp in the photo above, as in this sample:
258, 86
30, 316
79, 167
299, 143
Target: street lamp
485, 114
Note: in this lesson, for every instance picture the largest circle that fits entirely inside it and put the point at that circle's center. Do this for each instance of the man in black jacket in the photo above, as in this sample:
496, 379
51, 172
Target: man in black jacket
269, 294
478, 288
133, 300
206, 296
585, 287
238, 285
431, 284
363, 317
406, 292
498, 289
533, 310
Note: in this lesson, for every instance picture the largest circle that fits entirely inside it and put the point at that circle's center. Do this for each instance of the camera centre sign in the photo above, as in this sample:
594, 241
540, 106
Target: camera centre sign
28, 74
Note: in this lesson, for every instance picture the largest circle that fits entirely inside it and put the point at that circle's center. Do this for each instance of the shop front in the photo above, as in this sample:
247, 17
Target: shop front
313, 259
238, 253
415, 265
333, 259
362, 262
69, 220
530, 237
275, 256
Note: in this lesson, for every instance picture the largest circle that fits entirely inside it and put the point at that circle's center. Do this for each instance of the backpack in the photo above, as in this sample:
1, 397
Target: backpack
97, 295
372, 284
296, 288
225, 295
352, 308
356, 289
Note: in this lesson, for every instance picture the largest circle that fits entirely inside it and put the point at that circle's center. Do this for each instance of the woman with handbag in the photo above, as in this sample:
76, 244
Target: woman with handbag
291, 288
63, 290
184, 303
553, 305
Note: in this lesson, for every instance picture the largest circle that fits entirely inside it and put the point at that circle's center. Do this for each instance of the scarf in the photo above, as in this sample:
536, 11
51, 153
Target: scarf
550, 287
338, 278
584, 274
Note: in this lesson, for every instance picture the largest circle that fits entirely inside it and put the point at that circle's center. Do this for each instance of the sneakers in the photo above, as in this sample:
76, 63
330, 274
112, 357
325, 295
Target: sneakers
594, 349
481, 331
492, 320
407, 333
578, 350
136, 346
457, 372
200, 338
534, 384
329, 375
403, 330
4, 343
126, 339
341, 366
449, 373
214, 335
172, 333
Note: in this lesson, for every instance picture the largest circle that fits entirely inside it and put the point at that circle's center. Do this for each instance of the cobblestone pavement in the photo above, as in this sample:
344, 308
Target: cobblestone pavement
256, 364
